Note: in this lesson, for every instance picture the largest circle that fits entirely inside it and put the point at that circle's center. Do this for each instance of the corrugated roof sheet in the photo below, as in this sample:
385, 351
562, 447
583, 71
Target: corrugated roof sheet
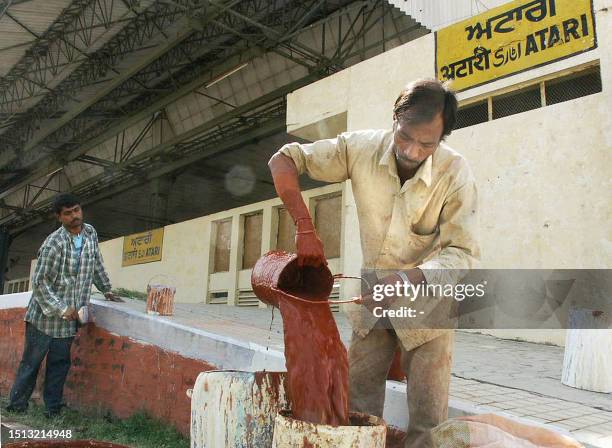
436, 14
37, 16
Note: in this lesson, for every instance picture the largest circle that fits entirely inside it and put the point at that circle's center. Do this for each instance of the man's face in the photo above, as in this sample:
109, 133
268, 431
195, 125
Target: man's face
71, 217
414, 143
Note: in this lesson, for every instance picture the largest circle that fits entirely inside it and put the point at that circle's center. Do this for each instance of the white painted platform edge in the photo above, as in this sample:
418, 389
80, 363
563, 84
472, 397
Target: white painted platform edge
16, 300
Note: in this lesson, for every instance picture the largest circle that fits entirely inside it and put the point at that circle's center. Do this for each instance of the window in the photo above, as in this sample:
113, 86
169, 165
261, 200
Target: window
517, 102
285, 238
556, 90
472, 114
252, 239
328, 220
223, 237
579, 84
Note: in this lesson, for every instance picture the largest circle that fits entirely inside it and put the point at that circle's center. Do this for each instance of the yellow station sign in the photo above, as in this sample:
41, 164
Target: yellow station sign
511, 38
143, 247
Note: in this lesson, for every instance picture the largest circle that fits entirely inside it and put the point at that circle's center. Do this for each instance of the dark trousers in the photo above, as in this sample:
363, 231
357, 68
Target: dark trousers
37, 346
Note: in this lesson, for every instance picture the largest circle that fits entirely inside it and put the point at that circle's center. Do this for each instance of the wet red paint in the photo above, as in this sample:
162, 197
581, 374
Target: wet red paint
395, 438
395, 371
307, 444
316, 359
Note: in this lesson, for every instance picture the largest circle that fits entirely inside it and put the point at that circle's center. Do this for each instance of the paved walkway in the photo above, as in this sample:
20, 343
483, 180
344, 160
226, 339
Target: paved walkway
513, 378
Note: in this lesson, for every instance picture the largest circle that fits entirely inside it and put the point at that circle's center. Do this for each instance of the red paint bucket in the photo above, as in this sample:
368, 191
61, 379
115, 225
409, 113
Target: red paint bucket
277, 274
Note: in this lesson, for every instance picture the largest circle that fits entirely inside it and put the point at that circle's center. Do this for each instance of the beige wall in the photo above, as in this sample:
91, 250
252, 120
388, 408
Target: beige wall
183, 262
188, 249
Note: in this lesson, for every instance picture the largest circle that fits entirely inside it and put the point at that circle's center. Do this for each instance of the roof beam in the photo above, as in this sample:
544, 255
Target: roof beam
46, 165
118, 80
164, 158
181, 150
50, 165
260, 131
50, 49
4, 6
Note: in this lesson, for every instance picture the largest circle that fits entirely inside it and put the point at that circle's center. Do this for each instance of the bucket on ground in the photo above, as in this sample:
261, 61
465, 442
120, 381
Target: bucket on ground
236, 409
365, 431
160, 298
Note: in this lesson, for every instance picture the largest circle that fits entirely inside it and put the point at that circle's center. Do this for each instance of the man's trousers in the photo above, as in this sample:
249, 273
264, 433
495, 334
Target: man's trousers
427, 369
37, 346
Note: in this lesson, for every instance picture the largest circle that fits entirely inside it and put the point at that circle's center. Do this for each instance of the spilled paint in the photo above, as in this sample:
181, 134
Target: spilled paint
316, 359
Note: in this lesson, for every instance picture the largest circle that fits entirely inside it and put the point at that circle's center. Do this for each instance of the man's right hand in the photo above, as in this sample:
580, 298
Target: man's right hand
308, 245
70, 314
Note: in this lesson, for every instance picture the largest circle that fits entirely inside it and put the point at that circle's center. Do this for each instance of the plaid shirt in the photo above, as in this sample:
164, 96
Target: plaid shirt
62, 280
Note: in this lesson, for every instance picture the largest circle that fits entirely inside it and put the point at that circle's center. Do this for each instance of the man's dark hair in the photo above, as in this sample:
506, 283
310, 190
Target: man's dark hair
64, 200
423, 99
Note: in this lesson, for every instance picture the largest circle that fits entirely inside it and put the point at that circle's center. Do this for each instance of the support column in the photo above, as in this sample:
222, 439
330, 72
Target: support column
158, 205
350, 246
268, 234
5, 244
235, 259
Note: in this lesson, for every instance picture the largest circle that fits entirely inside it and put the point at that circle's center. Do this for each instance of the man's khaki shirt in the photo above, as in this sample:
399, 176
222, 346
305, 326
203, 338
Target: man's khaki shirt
430, 222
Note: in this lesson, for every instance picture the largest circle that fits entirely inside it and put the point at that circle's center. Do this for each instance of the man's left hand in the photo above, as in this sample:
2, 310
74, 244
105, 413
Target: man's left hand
112, 297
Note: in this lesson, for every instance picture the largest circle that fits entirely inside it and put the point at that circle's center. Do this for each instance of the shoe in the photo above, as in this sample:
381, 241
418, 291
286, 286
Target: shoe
15, 410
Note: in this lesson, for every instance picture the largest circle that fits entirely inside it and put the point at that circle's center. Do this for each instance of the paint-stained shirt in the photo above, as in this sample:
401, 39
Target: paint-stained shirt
429, 222
63, 279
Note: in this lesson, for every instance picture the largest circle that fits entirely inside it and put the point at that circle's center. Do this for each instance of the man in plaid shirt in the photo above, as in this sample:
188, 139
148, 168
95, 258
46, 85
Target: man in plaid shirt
69, 261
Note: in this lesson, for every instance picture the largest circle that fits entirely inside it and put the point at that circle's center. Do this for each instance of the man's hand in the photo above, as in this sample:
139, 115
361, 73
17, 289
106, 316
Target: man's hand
367, 299
368, 302
112, 297
70, 314
415, 276
308, 245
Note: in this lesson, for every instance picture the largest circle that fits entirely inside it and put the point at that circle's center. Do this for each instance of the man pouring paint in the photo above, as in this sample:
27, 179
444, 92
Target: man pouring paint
416, 203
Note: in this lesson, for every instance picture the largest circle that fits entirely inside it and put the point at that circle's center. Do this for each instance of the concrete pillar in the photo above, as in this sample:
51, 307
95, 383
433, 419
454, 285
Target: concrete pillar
208, 258
350, 248
235, 259
158, 205
5, 244
268, 234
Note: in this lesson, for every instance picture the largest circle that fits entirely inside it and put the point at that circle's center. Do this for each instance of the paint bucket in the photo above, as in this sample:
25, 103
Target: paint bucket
160, 298
365, 431
231, 409
277, 272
